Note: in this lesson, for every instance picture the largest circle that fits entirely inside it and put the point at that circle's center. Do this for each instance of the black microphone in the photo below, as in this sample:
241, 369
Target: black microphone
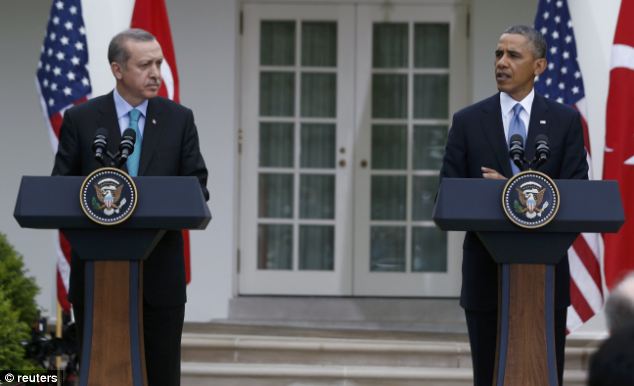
516, 150
542, 150
100, 143
126, 147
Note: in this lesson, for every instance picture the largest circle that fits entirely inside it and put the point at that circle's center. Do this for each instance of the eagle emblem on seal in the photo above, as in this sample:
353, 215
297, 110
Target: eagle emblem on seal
108, 196
530, 201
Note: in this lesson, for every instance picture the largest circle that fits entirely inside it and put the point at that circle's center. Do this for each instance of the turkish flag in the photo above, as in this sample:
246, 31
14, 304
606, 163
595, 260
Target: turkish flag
151, 15
618, 162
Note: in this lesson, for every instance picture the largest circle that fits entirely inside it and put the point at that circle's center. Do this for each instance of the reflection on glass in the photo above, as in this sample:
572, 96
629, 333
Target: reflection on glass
276, 144
275, 195
387, 249
277, 43
275, 246
318, 145
389, 96
431, 45
277, 94
423, 195
389, 147
429, 146
390, 45
388, 197
316, 247
317, 196
319, 44
429, 250
319, 95
431, 96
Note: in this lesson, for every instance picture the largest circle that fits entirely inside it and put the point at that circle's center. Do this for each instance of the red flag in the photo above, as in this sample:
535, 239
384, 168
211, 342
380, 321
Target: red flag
618, 163
151, 15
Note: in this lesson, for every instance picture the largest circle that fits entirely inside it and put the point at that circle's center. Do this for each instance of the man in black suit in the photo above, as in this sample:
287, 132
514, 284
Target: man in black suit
478, 147
169, 147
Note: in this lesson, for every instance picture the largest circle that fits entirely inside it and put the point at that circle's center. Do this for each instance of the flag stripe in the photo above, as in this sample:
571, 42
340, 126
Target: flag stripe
588, 259
580, 305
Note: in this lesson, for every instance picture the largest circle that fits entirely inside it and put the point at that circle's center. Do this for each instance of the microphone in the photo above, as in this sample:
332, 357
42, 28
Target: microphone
516, 150
542, 150
126, 147
100, 143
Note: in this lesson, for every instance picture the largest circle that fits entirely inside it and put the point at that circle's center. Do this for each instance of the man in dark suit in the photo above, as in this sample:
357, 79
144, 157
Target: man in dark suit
169, 146
478, 147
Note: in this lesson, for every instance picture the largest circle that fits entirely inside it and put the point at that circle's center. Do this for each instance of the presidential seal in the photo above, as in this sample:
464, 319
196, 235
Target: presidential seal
530, 199
108, 196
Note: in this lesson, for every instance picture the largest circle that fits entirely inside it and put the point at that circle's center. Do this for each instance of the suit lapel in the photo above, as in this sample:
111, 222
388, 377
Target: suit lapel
152, 132
108, 120
538, 124
494, 133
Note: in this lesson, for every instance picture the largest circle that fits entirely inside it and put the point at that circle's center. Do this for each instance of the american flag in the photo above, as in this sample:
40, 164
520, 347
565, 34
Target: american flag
62, 82
562, 82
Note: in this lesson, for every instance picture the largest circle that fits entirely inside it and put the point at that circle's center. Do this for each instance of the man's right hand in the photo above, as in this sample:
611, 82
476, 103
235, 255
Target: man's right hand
491, 174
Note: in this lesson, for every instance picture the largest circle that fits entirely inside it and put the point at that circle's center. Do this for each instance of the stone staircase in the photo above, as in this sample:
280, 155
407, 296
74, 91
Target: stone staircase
224, 354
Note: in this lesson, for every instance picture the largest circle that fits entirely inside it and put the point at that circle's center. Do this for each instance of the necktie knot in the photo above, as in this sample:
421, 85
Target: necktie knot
517, 110
134, 119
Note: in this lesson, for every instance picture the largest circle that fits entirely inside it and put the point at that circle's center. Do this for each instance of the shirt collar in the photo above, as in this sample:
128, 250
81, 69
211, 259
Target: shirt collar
123, 107
507, 102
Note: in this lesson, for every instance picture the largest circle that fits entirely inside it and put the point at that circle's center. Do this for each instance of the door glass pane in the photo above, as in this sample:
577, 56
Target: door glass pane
389, 96
276, 144
429, 250
275, 246
319, 44
429, 146
316, 247
423, 196
390, 45
318, 145
277, 94
431, 45
317, 196
387, 249
275, 195
388, 197
277, 43
319, 95
431, 96
389, 146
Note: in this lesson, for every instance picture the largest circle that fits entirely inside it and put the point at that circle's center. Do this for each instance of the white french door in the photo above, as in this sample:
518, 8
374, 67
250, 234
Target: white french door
345, 112
297, 149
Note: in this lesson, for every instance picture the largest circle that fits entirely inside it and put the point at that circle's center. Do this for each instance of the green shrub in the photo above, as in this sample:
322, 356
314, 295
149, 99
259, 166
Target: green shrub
12, 333
18, 310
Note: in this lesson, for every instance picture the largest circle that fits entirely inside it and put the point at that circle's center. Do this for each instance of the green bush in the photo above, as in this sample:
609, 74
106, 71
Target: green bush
18, 310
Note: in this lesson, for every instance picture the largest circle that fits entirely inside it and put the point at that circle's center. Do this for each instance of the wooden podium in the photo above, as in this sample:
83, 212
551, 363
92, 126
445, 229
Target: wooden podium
112, 351
526, 341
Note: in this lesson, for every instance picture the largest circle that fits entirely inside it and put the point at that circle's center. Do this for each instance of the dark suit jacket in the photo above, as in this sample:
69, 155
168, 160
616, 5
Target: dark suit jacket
476, 139
170, 148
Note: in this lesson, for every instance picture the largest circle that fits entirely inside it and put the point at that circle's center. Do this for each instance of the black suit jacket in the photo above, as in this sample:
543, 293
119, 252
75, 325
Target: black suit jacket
476, 139
170, 148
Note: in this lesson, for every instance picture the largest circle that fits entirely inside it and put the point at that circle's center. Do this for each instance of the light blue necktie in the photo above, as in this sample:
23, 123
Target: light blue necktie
135, 157
516, 126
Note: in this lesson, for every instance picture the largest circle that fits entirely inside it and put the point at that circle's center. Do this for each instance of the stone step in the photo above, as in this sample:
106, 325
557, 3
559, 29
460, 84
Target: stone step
429, 351
241, 374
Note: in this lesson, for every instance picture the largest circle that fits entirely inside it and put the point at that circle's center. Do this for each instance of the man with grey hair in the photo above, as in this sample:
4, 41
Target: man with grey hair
619, 307
166, 145
478, 147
